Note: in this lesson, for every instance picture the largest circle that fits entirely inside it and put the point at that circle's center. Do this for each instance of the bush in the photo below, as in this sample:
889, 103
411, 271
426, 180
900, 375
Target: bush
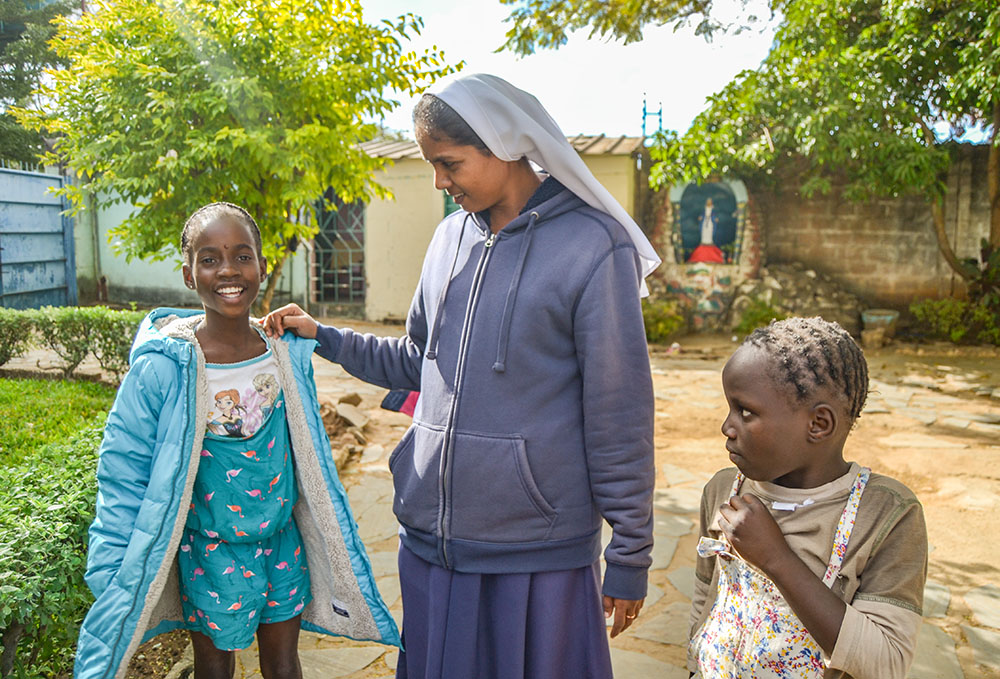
15, 334
113, 332
757, 315
957, 320
663, 319
66, 331
72, 333
45, 510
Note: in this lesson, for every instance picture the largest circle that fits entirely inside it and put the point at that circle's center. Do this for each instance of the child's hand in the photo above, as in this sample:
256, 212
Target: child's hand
753, 532
290, 317
625, 612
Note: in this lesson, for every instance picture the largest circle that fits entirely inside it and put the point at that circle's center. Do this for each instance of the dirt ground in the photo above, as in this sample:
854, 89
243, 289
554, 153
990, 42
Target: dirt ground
952, 466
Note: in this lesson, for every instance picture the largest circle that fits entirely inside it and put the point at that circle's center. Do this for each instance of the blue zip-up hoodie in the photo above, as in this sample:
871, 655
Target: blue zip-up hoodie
535, 418
148, 462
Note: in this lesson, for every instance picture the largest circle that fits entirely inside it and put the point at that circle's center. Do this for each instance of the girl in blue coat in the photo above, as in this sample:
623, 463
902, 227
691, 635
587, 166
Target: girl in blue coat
227, 532
534, 426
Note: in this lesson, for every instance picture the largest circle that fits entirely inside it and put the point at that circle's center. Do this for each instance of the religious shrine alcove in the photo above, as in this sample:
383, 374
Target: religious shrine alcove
710, 242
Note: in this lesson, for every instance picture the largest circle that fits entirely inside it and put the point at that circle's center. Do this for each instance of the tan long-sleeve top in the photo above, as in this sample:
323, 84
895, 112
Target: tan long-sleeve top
882, 577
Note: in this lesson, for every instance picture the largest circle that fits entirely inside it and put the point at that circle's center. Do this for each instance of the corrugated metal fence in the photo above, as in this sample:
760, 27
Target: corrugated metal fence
36, 242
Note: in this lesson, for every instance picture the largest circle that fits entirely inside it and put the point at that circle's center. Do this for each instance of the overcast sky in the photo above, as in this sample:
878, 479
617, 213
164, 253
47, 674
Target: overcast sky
589, 86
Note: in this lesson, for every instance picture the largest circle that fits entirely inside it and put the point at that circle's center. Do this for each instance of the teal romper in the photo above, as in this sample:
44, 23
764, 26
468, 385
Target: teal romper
242, 560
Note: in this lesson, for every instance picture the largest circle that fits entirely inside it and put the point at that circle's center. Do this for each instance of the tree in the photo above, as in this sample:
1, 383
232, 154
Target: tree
862, 92
547, 23
25, 30
170, 105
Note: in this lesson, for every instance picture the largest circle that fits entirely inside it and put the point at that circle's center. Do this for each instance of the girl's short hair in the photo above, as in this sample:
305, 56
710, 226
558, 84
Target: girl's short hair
809, 354
207, 214
439, 119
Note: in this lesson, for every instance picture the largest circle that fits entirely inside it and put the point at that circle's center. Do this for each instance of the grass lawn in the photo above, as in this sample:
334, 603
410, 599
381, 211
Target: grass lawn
39, 412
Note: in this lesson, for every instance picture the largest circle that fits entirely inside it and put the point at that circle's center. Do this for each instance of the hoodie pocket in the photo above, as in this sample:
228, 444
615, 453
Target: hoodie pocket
494, 497
415, 465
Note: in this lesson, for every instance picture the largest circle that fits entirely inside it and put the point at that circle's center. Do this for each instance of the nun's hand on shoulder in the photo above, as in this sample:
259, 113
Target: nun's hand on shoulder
290, 317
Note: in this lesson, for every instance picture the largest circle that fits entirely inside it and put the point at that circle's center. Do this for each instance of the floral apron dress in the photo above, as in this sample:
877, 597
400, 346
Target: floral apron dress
751, 632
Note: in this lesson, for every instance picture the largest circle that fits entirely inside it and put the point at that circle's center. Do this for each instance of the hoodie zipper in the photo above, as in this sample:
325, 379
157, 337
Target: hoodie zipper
444, 479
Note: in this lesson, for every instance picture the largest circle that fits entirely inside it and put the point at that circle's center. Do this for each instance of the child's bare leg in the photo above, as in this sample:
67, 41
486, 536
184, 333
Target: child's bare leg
210, 662
279, 649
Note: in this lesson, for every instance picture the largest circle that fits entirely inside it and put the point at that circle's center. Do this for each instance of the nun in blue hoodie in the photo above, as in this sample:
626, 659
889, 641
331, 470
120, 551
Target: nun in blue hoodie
534, 424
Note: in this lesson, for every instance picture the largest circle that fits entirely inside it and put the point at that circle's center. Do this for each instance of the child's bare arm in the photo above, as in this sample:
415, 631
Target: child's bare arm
754, 534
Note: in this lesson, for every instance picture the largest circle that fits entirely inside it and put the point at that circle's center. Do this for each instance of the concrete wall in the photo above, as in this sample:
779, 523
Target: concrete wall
397, 232
884, 251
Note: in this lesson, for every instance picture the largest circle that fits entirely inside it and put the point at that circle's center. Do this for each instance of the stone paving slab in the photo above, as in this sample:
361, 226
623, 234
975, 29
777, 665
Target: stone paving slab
985, 646
388, 587
384, 563
670, 525
937, 598
632, 665
927, 417
985, 418
373, 491
909, 439
653, 594
683, 580
935, 657
676, 476
663, 552
678, 500
985, 605
669, 627
330, 663
378, 523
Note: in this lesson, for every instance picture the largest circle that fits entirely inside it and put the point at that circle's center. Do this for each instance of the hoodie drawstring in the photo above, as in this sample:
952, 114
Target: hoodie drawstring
508, 308
432, 339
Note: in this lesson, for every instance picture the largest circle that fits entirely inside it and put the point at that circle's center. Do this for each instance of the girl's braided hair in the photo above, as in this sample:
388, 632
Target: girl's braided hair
209, 213
810, 354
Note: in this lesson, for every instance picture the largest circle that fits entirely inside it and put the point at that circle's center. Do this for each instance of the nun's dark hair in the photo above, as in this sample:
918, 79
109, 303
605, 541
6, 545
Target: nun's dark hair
438, 119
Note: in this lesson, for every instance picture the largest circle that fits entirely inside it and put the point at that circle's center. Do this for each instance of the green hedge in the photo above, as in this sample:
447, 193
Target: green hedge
957, 320
45, 510
72, 333
663, 319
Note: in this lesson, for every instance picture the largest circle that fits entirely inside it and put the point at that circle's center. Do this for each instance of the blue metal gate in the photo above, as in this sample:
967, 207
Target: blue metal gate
37, 266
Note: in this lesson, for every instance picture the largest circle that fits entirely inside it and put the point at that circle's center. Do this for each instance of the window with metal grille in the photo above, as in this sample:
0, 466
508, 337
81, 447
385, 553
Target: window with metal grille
339, 252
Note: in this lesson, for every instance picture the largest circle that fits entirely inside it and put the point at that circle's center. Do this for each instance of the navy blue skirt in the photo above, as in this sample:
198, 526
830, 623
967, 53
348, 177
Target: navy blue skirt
547, 625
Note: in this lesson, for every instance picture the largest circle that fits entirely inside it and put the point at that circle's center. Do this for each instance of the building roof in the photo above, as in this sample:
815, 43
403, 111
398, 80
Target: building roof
585, 144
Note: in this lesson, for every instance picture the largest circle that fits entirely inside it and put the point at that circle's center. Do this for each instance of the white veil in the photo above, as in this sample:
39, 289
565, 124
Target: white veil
513, 124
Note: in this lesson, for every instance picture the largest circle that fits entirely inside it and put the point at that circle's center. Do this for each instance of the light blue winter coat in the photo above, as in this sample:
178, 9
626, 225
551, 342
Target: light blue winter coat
148, 462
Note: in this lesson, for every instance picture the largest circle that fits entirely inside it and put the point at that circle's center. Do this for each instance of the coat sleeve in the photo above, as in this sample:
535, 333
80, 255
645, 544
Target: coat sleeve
123, 470
618, 416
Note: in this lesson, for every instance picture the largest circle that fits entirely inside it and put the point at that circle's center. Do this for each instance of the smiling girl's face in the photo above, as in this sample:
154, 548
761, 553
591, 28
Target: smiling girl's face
226, 268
